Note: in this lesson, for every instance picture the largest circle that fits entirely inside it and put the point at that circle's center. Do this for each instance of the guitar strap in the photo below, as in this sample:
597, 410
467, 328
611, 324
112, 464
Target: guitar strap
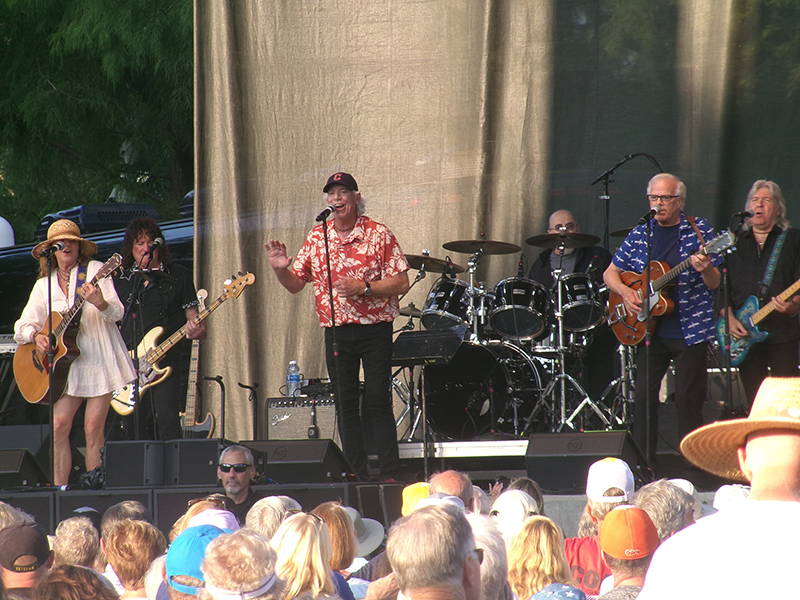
691, 220
773, 260
80, 281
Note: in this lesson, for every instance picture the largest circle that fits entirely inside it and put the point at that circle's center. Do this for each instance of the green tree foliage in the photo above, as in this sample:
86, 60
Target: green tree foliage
96, 103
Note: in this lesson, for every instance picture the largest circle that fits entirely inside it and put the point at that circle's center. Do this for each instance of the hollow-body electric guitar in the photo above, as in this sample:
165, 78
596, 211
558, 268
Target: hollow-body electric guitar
630, 328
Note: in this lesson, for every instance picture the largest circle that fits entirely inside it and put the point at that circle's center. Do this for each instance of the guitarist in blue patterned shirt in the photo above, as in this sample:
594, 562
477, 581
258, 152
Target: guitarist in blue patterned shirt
748, 269
682, 335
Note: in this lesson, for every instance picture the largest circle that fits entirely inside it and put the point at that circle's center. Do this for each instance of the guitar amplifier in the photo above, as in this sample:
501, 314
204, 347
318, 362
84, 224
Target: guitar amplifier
290, 418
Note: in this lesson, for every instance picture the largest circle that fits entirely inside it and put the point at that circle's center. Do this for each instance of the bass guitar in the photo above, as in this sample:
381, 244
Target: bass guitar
31, 367
749, 315
630, 328
191, 427
123, 400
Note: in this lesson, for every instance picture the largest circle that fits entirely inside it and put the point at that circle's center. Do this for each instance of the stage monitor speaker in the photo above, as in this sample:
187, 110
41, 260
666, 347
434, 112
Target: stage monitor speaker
290, 418
559, 462
39, 504
303, 461
191, 462
100, 500
18, 468
134, 464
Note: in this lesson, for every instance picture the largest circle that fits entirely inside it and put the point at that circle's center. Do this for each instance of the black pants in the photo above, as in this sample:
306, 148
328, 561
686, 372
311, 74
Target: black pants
690, 387
776, 360
369, 346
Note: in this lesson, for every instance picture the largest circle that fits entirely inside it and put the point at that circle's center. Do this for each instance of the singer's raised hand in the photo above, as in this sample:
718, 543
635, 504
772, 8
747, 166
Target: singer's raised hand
278, 259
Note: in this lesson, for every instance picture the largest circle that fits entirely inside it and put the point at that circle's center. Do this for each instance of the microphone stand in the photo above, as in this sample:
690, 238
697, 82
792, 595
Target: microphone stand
334, 343
648, 412
726, 336
253, 399
51, 356
605, 177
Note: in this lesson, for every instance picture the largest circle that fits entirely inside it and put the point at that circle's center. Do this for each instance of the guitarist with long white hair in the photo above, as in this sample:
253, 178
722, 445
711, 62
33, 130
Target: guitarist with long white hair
682, 334
95, 358
768, 346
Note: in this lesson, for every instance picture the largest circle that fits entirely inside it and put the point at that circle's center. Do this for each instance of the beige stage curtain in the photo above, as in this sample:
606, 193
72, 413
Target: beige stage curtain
458, 118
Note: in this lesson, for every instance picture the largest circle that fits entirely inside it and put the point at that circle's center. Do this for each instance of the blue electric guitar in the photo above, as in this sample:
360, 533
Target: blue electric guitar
749, 315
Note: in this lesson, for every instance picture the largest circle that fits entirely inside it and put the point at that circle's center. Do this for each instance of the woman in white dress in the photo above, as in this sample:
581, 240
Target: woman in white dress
103, 364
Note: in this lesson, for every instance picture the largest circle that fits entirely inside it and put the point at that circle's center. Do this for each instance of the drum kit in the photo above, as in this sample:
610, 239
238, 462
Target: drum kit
509, 376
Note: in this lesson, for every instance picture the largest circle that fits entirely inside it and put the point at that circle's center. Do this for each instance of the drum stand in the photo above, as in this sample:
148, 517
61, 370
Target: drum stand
476, 309
562, 378
624, 396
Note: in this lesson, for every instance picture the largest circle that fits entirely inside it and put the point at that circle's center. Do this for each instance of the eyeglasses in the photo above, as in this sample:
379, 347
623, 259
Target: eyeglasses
566, 226
213, 499
662, 199
478, 554
238, 467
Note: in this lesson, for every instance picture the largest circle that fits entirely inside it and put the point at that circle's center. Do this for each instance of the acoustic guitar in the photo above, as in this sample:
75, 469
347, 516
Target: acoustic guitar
32, 368
630, 328
123, 400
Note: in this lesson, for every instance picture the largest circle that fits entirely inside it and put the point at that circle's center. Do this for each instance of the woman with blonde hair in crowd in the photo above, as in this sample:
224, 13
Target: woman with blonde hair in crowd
537, 562
343, 543
303, 544
240, 565
131, 547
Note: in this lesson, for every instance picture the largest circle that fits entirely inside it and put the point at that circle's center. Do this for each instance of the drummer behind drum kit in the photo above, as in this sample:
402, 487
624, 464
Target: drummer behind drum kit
508, 376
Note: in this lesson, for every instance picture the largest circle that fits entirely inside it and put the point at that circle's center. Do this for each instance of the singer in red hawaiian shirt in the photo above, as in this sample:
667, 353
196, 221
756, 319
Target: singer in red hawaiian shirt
369, 272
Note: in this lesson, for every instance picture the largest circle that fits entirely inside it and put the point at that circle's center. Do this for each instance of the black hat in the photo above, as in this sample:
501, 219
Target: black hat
22, 539
344, 179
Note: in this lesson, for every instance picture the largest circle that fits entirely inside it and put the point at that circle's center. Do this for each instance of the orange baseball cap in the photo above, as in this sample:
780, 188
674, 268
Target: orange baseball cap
628, 533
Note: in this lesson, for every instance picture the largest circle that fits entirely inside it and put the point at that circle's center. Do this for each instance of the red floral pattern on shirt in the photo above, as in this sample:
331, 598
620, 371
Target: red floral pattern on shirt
370, 253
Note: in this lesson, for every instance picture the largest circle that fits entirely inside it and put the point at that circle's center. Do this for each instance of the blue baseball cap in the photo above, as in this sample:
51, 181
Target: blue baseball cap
186, 553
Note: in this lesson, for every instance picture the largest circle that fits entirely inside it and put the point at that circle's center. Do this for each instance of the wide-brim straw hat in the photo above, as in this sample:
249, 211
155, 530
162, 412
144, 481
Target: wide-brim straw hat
64, 229
714, 447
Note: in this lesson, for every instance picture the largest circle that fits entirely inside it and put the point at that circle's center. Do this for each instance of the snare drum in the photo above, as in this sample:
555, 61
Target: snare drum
582, 305
520, 308
447, 305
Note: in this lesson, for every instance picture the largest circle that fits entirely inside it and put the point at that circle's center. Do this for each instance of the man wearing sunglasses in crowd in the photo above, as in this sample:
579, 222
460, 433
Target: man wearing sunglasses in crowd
236, 470
681, 336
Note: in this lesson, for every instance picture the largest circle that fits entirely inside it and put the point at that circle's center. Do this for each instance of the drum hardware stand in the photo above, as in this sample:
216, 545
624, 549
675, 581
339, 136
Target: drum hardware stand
625, 396
408, 397
472, 266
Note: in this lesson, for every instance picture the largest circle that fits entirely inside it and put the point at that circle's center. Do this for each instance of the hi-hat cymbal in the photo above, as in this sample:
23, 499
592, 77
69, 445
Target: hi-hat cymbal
621, 232
411, 311
565, 239
486, 246
435, 265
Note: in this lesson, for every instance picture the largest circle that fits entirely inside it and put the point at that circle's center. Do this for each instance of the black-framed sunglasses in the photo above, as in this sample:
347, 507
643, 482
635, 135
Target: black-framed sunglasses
238, 467
478, 554
213, 498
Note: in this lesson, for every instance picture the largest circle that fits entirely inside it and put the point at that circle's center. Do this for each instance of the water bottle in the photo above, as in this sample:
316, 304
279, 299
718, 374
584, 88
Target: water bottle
292, 379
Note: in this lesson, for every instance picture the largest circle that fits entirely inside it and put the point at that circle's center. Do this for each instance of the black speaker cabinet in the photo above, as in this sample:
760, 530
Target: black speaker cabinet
134, 464
303, 461
290, 418
191, 462
67, 502
559, 462
18, 468
39, 504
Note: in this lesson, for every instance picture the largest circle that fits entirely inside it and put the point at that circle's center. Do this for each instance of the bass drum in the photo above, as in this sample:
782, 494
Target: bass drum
476, 392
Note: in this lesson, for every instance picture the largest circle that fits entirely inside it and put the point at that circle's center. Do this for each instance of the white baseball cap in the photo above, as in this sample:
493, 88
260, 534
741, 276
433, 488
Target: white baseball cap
606, 474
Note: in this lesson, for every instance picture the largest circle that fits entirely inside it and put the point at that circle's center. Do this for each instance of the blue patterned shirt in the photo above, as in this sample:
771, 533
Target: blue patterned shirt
695, 299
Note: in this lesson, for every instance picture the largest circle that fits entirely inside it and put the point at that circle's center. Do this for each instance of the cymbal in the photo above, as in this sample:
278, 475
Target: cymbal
417, 261
621, 232
487, 246
566, 239
411, 311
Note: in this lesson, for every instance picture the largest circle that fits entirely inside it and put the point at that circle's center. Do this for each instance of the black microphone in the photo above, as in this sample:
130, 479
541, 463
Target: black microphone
325, 213
59, 245
650, 214
520, 266
156, 243
744, 214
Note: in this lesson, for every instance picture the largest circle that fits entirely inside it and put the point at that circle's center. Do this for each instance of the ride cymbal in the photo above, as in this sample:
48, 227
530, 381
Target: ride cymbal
565, 239
410, 311
486, 246
417, 261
